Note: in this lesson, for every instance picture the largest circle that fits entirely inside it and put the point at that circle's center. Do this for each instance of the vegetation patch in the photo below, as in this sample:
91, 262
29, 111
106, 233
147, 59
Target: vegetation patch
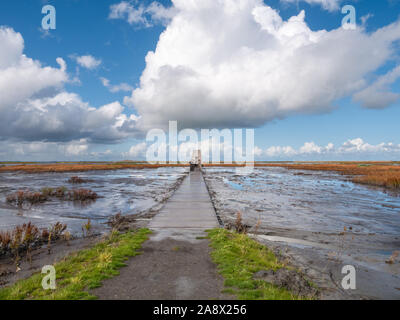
76, 180
239, 258
25, 237
82, 271
22, 197
381, 174
82, 167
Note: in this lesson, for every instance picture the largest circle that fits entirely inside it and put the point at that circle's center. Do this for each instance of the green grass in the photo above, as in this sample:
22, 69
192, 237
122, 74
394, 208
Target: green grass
81, 271
238, 257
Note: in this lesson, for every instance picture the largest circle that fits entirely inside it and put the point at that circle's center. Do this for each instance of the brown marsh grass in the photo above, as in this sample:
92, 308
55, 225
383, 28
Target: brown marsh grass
24, 238
383, 174
41, 168
21, 197
375, 173
76, 180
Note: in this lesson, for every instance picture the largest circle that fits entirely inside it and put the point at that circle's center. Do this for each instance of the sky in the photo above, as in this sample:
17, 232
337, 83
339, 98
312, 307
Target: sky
92, 88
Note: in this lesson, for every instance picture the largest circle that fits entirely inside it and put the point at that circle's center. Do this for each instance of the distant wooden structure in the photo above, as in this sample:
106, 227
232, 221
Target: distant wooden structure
196, 160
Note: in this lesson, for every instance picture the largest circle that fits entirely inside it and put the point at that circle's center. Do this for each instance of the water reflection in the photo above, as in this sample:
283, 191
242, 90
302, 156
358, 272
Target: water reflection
128, 191
312, 201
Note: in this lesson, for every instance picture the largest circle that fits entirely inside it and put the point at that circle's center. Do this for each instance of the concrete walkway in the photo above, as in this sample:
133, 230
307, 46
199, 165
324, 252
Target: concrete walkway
189, 208
175, 263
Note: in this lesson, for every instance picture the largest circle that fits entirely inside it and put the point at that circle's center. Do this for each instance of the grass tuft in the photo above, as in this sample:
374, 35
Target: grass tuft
238, 258
81, 271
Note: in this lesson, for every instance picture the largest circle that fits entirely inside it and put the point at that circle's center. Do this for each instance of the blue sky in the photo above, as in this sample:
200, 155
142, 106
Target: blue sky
119, 46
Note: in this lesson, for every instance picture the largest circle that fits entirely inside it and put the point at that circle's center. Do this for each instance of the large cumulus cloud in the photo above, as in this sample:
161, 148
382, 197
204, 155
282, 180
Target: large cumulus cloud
235, 63
34, 105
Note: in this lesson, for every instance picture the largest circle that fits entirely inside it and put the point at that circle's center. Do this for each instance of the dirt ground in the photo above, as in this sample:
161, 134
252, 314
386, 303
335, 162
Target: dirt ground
171, 267
40, 258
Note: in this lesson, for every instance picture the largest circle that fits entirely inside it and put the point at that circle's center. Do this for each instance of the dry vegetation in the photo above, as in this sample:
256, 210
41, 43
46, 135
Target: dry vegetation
22, 239
40, 168
383, 174
21, 197
76, 180
82, 271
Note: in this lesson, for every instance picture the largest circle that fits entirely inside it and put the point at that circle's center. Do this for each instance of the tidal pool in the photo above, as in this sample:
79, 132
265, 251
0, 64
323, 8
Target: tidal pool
320, 222
305, 200
130, 191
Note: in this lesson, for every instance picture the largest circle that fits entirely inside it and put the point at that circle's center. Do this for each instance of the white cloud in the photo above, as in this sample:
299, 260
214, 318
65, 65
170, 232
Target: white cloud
241, 63
312, 148
277, 151
88, 61
77, 148
159, 13
357, 148
351, 150
34, 105
358, 145
330, 5
137, 151
141, 15
364, 19
378, 94
20, 76
39, 150
116, 88
258, 152
125, 10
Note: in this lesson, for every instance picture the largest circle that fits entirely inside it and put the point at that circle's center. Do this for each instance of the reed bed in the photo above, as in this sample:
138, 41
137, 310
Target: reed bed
42, 168
382, 174
25, 237
21, 197
76, 180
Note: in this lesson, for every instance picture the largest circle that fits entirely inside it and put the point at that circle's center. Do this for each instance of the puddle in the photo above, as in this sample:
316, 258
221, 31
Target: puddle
294, 242
129, 191
233, 185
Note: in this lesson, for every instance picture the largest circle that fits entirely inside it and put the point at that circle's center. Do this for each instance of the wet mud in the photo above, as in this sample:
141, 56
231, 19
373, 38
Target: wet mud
41, 257
129, 192
318, 222
128, 200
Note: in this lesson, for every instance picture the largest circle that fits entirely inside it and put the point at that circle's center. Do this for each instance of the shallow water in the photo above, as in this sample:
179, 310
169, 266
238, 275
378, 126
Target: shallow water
304, 200
129, 191
304, 213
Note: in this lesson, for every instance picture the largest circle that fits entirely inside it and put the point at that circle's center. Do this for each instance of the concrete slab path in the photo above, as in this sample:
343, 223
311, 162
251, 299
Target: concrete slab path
175, 263
189, 208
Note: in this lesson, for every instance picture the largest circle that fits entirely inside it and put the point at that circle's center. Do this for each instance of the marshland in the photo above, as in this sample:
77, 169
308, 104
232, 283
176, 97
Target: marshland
316, 216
